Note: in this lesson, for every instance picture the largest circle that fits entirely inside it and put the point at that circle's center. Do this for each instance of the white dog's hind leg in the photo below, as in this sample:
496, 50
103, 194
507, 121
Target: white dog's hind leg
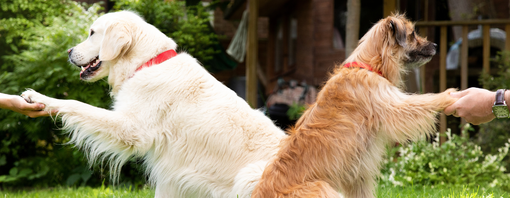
247, 179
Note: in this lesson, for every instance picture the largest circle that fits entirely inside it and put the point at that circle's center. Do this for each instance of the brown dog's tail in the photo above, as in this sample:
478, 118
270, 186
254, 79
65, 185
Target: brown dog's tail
316, 189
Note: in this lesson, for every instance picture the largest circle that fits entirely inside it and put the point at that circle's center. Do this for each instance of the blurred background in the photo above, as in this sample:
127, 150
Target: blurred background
276, 54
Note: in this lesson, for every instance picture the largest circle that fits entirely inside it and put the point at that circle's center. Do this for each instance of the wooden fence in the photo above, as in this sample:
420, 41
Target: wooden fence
443, 25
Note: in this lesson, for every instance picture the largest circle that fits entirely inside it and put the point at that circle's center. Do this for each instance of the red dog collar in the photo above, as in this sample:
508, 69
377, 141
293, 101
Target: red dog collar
158, 59
363, 66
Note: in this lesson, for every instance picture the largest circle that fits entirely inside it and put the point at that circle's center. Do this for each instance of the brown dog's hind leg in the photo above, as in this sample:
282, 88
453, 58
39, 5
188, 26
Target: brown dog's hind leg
316, 189
359, 189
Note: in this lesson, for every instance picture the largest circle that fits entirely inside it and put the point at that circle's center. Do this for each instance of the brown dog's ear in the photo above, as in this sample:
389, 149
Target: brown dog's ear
399, 33
115, 42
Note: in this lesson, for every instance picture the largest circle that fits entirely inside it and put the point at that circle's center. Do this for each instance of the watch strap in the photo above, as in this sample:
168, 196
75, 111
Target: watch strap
500, 97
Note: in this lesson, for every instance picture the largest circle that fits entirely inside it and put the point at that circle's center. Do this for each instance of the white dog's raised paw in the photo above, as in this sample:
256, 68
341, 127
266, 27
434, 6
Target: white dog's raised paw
32, 96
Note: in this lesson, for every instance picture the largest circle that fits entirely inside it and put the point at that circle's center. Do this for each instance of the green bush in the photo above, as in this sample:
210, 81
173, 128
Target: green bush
457, 162
16, 16
295, 111
495, 134
33, 151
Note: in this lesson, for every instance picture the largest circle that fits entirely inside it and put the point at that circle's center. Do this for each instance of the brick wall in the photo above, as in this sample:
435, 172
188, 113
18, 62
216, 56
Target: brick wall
315, 54
326, 56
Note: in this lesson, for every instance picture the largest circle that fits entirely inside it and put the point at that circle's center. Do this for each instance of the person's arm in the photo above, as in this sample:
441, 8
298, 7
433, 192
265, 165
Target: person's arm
507, 97
18, 104
474, 105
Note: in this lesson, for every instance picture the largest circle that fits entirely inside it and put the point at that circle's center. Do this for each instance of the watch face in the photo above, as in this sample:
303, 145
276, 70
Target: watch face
501, 111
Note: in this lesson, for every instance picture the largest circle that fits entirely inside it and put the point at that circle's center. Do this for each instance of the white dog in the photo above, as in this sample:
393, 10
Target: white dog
196, 136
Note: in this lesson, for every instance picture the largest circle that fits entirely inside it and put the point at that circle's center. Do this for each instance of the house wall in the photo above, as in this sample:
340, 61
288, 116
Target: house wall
326, 56
315, 54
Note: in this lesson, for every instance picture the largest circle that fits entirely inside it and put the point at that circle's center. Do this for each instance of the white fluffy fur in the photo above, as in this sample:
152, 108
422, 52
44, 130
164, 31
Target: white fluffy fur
196, 136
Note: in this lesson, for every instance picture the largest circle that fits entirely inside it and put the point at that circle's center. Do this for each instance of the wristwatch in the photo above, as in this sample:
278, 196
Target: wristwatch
499, 108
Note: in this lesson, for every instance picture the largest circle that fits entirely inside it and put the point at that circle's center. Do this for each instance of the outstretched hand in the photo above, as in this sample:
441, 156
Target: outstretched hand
474, 105
18, 104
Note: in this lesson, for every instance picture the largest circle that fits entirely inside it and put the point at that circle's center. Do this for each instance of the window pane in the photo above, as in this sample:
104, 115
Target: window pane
292, 41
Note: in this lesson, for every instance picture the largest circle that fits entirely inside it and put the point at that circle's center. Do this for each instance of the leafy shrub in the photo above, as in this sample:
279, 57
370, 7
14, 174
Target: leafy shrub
457, 162
33, 151
16, 16
295, 111
495, 134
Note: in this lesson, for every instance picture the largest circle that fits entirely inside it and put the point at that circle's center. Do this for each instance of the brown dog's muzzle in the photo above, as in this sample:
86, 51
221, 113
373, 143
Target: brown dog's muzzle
424, 52
430, 49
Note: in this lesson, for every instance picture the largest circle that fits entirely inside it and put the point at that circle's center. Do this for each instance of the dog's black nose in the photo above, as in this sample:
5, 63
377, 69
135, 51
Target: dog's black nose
435, 45
69, 52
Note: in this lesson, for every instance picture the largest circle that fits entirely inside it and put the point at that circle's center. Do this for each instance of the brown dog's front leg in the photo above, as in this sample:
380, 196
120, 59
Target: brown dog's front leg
409, 117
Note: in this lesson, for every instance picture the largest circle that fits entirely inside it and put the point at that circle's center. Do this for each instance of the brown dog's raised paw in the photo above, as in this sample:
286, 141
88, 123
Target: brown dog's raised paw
450, 90
447, 99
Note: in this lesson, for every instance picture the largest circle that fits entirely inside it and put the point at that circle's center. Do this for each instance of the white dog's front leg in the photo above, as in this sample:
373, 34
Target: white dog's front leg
100, 130
32, 96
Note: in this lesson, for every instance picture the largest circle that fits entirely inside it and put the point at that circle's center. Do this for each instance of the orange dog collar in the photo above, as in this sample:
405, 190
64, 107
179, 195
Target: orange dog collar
158, 59
363, 66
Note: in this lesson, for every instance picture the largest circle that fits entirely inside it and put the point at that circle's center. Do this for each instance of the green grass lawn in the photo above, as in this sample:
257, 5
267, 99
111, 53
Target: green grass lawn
383, 192
85, 192
429, 192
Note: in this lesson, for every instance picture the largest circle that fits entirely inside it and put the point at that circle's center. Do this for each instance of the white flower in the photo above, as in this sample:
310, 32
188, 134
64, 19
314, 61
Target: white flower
494, 183
409, 179
449, 133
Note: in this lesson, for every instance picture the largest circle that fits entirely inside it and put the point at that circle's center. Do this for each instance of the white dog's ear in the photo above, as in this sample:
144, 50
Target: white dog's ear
116, 42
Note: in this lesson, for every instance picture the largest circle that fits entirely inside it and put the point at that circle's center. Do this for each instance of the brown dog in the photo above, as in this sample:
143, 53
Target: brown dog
339, 142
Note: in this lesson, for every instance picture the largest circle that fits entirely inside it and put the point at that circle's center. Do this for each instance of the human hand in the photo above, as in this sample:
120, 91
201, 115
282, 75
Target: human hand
33, 110
474, 105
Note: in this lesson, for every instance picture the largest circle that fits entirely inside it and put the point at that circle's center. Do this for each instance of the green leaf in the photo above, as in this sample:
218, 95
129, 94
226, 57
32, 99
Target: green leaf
86, 175
71, 180
13, 171
24, 172
3, 160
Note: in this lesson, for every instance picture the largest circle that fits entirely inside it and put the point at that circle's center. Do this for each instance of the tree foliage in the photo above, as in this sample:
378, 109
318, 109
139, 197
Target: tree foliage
495, 134
37, 35
457, 162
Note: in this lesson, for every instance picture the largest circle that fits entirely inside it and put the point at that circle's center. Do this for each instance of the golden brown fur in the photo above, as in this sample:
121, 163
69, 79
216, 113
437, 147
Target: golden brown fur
339, 142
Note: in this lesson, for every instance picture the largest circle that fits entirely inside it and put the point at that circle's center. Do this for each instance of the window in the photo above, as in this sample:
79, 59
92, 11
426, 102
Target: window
292, 41
285, 43
278, 56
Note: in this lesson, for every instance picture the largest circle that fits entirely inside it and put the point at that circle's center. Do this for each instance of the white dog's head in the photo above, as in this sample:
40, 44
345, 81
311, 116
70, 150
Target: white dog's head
118, 43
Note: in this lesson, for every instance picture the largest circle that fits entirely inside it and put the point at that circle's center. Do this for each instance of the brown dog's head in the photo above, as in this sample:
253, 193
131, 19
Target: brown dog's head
391, 46
417, 50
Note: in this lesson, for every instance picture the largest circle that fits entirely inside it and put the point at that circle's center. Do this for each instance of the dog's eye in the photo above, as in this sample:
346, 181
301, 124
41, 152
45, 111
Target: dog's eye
91, 32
